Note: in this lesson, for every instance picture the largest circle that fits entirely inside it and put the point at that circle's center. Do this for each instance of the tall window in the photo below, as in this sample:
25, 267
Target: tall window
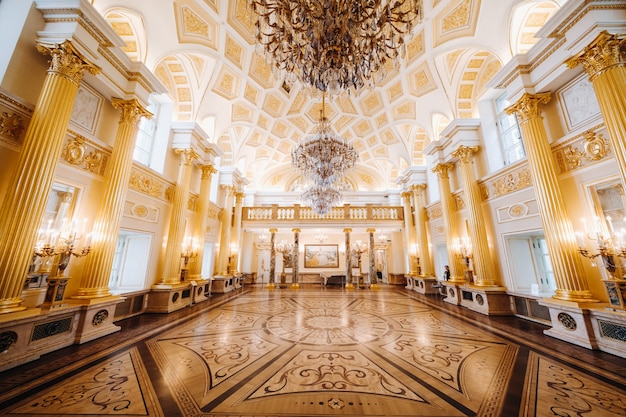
146, 135
510, 136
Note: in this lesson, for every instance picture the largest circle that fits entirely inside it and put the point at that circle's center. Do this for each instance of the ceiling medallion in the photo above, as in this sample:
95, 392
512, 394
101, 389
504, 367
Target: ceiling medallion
335, 45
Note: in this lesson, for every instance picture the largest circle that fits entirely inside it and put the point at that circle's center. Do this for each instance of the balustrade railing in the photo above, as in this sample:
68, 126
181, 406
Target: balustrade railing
300, 213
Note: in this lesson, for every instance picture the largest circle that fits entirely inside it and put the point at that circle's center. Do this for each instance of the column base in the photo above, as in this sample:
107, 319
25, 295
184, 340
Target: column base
425, 285
295, 286
349, 286
166, 298
200, 290
223, 284
271, 286
374, 287
571, 322
97, 319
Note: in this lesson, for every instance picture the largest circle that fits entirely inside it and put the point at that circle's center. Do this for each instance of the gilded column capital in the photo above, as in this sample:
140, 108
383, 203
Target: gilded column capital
229, 189
273, 230
347, 230
418, 189
296, 230
207, 171
132, 110
187, 155
464, 153
371, 230
442, 170
406, 195
527, 107
239, 197
604, 52
67, 61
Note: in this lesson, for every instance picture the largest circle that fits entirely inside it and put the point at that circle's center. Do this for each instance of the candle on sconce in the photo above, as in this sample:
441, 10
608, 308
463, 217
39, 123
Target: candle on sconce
580, 240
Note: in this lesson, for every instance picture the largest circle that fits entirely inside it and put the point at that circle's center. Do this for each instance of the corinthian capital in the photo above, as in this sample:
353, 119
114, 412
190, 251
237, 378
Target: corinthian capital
132, 111
442, 170
464, 153
603, 53
67, 61
527, 107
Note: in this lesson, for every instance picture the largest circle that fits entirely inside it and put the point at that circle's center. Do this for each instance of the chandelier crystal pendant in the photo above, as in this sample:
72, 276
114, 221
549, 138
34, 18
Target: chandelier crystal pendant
334, 45
324, 157
321, 199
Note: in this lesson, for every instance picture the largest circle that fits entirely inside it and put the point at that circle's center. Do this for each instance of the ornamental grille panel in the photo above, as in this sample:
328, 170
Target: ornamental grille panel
52, 328
612, 330
520, 306
539, 311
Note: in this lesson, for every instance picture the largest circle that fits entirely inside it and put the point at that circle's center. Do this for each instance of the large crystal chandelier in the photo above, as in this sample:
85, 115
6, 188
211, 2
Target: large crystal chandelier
324, 157
335, 45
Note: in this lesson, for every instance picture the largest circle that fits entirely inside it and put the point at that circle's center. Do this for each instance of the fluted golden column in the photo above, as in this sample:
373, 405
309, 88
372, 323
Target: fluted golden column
409, 230
349, 284
227, 214
199, 230
27, 193
484, 274
603, 60
236, 236
97, 270
176, 232
419, 196
272, 282
296, 254
372, 271
558, 229
457, 270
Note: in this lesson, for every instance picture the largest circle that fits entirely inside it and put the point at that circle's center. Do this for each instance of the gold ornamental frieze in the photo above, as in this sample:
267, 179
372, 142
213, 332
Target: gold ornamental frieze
146, 184
79, 151
508, 183
582, 150
11, 126
435, 212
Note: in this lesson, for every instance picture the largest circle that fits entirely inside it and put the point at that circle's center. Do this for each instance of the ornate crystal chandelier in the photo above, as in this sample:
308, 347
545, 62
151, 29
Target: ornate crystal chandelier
321, 199
324, 157
334, 45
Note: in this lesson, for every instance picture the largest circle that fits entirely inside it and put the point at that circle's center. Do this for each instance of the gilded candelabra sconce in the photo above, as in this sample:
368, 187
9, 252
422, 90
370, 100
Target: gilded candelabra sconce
188, 254
463, 250
286, 250
63, 246
414, 260
610, 247
231, 268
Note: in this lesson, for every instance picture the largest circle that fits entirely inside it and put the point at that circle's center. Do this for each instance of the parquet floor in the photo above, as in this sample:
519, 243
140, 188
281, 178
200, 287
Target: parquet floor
320, 352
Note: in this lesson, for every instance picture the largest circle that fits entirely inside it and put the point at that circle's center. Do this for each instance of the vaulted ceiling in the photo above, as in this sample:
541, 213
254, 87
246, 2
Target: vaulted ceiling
204, 52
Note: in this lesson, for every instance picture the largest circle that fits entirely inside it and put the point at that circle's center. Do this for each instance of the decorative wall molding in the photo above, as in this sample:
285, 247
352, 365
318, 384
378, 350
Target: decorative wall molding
80, 151
517, 211
142, 212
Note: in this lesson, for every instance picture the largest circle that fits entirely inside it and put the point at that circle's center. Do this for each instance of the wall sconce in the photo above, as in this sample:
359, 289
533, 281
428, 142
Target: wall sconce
262, 238
609, 244
463, 249
52, 243
414, 259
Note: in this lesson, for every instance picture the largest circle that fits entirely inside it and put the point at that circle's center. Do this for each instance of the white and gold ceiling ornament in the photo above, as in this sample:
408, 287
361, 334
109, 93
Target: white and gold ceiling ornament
335, 45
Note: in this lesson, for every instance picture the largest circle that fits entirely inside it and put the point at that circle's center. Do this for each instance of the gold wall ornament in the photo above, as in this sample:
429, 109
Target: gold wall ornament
11, 125
75, 150
573, 157
132, 110
596, 147
465, 153
511, 182
95, 162
146, 185
442, 170
604, 52
67, 61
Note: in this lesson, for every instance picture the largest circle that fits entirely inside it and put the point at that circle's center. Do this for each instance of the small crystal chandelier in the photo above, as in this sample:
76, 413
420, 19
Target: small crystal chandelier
321, 199
324, 157
334, 45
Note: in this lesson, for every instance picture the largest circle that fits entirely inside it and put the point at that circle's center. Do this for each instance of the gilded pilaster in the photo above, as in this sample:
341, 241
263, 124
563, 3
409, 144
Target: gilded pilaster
449, 221
27, 193
296, 255
558, 229
95, 280
236, 236
372, 269
349, 284
227, 214
421, 219
604, 60
199, 230
409, 231
176, 232
484, 274
272, 282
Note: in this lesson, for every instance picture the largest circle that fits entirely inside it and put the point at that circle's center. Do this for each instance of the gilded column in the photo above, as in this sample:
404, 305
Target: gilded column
27, 193
176, 232
421, 219
372, 269
449, 221
272, 282
235, 239
349, 284
227, 214
409, 232
558, 229
95, 280
484, 274
296, 255
199, 230
604, 61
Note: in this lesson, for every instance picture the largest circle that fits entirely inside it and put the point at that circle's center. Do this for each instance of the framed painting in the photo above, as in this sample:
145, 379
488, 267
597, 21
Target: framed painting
321, 256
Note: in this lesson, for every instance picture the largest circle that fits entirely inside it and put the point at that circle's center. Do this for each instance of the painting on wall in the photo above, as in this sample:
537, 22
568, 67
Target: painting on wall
321, 256
86, 110
578, 103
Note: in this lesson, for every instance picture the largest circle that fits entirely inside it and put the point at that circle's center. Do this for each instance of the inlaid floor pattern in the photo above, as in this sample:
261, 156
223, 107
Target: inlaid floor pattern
310, 352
